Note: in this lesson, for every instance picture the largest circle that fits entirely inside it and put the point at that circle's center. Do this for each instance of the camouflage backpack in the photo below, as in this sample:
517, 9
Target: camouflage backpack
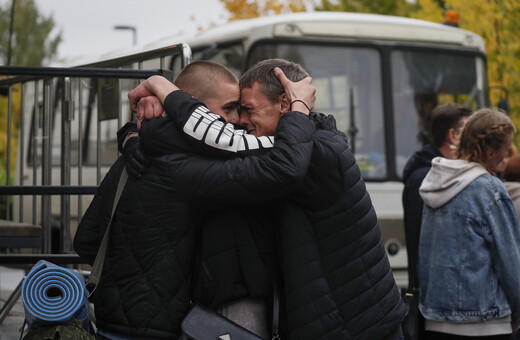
69, 331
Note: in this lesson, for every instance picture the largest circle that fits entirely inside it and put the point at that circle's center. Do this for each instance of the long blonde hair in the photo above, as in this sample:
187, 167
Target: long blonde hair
485, 129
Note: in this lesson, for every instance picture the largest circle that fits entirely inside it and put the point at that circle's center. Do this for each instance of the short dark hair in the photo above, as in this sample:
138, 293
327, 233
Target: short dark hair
512, 170
445, 117
200, 78
263, 73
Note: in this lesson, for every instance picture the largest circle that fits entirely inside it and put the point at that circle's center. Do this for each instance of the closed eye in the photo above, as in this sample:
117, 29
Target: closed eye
230, 107
244, 109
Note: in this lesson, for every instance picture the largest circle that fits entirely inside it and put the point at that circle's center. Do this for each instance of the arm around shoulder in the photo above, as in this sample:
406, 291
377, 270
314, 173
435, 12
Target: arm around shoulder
253, 179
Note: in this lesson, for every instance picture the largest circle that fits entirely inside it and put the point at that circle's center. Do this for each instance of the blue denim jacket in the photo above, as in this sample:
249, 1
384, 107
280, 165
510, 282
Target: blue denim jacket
469, 256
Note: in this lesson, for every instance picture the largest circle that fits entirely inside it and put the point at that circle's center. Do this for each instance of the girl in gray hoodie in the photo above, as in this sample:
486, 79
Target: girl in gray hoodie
469, 250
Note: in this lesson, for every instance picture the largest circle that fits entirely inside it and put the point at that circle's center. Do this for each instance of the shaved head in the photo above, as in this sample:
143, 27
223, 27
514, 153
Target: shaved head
202, 78
214, 85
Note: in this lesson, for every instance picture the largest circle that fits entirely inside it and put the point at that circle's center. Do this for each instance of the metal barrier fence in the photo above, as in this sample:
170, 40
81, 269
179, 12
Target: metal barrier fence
61, 125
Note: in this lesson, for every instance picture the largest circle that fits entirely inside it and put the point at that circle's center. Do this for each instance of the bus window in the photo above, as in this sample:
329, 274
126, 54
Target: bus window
422, 80
229, 54
349, 86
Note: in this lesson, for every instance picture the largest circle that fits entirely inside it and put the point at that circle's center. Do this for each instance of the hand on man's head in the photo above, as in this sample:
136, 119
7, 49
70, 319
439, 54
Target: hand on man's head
302, 94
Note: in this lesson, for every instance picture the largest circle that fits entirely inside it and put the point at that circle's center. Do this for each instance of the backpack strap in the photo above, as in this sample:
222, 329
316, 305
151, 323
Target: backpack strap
97, 268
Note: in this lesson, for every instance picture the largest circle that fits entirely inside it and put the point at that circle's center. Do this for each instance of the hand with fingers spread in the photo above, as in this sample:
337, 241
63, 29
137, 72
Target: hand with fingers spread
302, 94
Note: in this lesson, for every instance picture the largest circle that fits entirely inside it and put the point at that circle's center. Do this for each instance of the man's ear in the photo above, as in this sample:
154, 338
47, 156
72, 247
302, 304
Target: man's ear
285, 103
452, 136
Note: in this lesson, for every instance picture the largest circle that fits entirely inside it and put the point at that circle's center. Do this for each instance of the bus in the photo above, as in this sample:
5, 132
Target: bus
380, 76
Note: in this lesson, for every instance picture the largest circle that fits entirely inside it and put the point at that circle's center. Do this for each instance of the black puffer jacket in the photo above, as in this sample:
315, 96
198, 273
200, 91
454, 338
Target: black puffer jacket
236, 254
145, 284
337, 277
236, 257
338, 280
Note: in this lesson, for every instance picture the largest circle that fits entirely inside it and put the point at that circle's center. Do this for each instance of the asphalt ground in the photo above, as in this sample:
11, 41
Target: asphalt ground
11, 326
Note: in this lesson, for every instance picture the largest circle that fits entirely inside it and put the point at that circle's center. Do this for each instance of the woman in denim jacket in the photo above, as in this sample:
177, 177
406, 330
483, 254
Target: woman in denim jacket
469, 250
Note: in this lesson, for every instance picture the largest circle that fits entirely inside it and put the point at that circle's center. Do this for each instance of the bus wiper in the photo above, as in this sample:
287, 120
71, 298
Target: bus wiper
209, 52
352, 130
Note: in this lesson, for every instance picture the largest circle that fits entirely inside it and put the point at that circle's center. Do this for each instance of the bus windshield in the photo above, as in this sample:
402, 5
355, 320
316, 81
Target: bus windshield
368, 98
422, 80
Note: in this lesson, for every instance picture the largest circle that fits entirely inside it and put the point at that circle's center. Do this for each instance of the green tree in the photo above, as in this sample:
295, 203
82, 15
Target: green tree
32, 44
32, 41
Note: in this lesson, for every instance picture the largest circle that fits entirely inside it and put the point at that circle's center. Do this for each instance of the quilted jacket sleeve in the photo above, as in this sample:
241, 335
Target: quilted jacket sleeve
123, 132
242, 181
206, 131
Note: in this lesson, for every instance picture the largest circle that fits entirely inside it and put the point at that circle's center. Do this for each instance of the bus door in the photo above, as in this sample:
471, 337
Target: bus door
423, 78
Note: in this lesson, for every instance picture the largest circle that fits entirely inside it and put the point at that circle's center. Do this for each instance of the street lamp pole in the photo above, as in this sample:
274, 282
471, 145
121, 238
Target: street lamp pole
11, 28
131, 28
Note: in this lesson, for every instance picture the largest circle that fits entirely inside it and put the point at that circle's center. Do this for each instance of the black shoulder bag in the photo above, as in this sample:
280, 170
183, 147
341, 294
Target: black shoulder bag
203, 324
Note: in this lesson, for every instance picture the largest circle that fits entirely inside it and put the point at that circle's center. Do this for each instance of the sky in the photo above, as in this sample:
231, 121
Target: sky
87, 26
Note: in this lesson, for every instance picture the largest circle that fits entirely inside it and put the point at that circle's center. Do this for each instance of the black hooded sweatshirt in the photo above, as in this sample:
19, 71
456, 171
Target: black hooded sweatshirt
413, 174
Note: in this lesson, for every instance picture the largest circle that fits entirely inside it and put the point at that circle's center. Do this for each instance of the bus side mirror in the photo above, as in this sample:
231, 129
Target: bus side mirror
503, 104
4, 91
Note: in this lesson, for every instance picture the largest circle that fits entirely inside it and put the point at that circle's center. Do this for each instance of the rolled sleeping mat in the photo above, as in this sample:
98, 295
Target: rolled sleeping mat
54, 295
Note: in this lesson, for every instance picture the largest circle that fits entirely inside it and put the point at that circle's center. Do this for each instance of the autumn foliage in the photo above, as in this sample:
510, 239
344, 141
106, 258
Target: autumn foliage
497, 23
244, 9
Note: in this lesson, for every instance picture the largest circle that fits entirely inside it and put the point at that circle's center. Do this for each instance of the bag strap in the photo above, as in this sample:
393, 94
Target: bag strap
276, 313
97, 268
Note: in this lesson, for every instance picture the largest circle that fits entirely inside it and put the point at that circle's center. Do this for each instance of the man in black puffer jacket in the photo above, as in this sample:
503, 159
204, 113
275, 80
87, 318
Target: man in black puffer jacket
337, 279
145, 288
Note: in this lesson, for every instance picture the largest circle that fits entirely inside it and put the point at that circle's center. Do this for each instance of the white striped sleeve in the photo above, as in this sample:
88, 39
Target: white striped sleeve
207, 127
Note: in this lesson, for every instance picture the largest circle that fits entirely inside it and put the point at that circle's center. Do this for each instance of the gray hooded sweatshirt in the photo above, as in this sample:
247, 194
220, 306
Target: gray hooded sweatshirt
447, 178
513, 188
